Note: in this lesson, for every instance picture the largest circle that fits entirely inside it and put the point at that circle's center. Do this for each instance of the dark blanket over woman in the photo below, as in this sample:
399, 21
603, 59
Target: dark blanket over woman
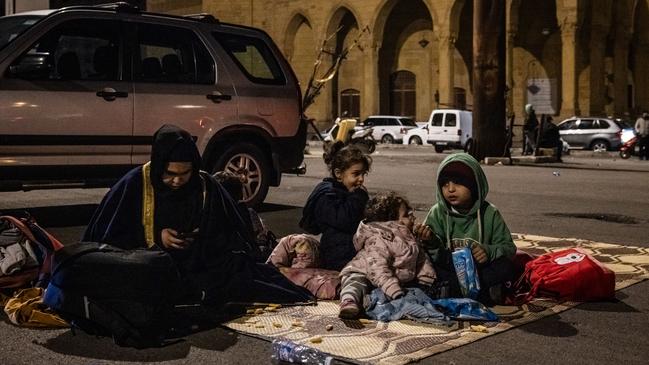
216, 267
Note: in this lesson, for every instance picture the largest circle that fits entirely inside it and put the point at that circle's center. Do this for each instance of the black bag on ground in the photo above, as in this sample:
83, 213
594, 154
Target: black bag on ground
106, 291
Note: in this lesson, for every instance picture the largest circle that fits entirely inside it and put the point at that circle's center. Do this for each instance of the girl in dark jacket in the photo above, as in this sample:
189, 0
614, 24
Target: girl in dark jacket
336, 205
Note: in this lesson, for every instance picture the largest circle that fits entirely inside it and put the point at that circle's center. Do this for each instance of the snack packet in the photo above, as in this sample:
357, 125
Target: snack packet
466, 271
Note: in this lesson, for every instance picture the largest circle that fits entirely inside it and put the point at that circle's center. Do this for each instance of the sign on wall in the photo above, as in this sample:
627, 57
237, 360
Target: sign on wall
542, 93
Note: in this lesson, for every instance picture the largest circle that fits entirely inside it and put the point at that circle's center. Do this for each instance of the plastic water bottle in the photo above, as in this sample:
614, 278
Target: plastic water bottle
295, 353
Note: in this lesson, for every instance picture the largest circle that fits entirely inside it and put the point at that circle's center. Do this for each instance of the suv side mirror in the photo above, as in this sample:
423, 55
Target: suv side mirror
32, 66
425, 127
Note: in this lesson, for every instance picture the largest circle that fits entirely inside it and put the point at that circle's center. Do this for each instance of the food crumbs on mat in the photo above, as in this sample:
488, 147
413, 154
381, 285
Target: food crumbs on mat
250, 311
270, 309
365, 321
259, 326
296, 324
329, 327
278, 325
479, 328
273, 305
315, 339
259, 311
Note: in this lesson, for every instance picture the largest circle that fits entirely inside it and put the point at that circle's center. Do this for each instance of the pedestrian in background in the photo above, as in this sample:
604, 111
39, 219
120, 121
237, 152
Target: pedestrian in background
642, 131
530, 129
550, 138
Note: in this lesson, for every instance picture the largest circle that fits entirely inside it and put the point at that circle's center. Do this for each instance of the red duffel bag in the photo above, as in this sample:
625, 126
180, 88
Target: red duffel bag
570, 274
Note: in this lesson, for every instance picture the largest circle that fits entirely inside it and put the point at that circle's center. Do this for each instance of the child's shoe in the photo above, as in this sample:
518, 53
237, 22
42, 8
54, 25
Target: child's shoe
348, 309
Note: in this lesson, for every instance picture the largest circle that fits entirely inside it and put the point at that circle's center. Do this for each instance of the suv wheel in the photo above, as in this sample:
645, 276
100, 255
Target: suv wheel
415, 140
387, 139
439, 149
599, 145
248, 161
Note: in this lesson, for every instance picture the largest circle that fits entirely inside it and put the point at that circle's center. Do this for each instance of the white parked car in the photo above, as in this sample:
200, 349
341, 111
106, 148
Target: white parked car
446, 128
389, 128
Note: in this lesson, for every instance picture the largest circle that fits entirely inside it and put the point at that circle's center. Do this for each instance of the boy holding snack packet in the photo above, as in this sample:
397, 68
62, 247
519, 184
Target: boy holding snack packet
463, 218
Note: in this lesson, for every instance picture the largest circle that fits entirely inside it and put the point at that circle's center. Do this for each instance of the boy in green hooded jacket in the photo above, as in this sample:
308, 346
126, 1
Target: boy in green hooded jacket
462, 217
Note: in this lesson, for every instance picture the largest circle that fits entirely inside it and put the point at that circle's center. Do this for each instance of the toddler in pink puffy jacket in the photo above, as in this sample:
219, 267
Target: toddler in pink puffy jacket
388, 257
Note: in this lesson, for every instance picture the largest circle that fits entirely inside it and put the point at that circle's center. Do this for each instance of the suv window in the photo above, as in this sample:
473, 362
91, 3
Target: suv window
586, 124
437, 119
377, 122
11, 27
392, 122
451, 120
75, 50
171, 55
408, 122
602, 124
571, 124
253, 57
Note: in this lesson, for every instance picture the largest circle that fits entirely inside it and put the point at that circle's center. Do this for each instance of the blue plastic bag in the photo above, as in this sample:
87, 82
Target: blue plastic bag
465, 309
467, 273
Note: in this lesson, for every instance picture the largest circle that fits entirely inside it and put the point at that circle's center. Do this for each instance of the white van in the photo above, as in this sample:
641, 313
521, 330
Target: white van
450, 128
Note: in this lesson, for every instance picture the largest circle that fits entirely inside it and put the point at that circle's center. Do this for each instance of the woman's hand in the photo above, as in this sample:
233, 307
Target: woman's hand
170, 239
423, 232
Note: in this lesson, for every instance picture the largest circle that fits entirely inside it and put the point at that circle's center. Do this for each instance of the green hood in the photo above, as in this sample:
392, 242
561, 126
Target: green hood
482, 224
479, 178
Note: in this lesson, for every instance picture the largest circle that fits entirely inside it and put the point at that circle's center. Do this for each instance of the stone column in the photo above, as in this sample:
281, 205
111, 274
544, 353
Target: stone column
370, 92
511, 34
597, 86
641, 75
446, 65
620, 71
569, 45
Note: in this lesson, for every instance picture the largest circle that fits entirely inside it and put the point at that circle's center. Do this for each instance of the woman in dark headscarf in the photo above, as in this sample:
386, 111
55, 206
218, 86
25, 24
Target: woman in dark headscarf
169, 204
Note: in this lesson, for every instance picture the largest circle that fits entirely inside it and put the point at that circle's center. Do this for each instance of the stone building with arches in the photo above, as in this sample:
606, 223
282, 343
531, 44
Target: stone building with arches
568, 57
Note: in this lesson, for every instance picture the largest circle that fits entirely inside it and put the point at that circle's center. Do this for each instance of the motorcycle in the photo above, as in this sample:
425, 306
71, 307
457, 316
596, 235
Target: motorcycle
628, 148
360, 137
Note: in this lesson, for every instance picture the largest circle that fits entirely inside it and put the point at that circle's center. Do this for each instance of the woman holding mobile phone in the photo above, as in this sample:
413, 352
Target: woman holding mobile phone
169, 204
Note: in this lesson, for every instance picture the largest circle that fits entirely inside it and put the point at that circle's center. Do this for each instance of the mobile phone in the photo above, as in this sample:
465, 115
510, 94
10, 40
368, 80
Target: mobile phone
188, 235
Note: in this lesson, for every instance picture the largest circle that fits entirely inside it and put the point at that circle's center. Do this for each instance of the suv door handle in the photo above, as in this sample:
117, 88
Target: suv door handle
109, 94
217, 96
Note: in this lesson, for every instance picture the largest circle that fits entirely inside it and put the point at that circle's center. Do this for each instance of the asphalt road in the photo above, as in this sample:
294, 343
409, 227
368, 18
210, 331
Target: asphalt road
540, 199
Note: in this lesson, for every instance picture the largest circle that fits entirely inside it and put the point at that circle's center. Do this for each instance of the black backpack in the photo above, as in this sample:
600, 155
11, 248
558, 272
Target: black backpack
106, 291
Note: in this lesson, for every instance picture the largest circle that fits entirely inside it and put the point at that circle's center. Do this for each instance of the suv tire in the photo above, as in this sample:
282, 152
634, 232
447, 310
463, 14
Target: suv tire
249, 161
439, 149
599, 145
387, 139
415, 140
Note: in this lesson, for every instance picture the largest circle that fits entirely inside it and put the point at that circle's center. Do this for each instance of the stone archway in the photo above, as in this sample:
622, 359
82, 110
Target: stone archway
344, 27
300, 51
407, 43
536, 73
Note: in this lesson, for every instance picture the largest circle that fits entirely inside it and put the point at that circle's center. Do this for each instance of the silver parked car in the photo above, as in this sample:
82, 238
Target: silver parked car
83, 88
597, 134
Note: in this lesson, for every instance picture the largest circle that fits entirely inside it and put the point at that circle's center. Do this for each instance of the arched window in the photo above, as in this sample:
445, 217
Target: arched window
403, 95
350, 101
